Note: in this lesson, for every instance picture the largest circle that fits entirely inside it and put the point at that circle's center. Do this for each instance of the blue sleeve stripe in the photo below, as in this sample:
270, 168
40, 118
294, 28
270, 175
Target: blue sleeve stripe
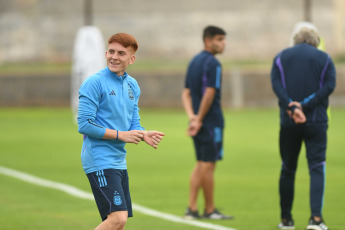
322, 78
307, 99
204, 76
218, 77
280, 67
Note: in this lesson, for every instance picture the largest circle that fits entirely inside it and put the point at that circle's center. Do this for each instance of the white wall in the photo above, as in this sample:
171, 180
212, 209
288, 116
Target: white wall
44, 30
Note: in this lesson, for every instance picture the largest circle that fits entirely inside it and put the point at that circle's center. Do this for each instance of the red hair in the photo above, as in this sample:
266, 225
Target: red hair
126, 40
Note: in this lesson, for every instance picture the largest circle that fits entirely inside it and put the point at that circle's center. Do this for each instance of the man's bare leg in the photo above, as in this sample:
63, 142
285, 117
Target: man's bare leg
115, 221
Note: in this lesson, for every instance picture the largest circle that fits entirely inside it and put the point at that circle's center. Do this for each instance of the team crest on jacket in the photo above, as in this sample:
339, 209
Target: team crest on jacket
130, 93
117, 199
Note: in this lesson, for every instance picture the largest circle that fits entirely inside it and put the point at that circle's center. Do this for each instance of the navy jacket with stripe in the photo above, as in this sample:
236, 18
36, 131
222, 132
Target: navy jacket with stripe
305, 74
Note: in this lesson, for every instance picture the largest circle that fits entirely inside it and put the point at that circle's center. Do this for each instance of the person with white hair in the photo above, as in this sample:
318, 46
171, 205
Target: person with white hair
302, 78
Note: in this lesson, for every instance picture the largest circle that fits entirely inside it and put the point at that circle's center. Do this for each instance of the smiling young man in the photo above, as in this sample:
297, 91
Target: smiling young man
108, 116
201, 100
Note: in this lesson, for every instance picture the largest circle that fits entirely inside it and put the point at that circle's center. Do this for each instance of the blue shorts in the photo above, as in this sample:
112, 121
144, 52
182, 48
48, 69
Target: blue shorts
111, 191
208, 144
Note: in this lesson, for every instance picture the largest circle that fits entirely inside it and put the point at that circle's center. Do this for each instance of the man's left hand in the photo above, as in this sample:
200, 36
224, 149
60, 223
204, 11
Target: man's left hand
153, 138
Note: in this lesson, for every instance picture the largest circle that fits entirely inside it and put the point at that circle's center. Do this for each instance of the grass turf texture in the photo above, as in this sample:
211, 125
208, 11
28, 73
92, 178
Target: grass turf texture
44, 142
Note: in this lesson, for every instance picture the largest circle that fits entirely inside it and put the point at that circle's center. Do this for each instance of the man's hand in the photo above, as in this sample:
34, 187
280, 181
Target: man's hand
295, 103
296, 114
153, 138
133, 136
194, 127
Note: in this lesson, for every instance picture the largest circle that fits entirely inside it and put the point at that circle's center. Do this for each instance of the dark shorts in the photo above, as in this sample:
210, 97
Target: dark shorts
208, 144
111, 191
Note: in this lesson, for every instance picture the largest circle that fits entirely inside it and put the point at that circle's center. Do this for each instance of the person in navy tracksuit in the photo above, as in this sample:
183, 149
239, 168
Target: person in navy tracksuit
303, 77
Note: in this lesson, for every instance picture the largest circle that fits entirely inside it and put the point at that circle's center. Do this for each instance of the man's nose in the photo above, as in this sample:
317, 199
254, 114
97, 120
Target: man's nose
114, 56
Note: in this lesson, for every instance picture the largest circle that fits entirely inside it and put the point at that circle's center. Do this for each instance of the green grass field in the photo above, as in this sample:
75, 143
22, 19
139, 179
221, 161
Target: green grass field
44, 142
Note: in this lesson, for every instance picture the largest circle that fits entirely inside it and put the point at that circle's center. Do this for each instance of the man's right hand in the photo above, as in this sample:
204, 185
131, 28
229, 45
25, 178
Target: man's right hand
132, 136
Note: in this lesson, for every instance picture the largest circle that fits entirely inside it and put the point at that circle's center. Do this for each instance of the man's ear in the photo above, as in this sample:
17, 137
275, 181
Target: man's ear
131, 61
207, 42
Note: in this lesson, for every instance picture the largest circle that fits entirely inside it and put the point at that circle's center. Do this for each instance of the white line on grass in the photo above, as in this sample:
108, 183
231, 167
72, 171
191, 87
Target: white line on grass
73, 191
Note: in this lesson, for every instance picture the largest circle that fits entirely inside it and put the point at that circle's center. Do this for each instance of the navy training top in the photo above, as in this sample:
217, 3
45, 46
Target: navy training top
305, 74
205, 70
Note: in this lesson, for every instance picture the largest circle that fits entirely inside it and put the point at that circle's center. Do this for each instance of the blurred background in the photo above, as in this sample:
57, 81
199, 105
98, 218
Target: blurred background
38, 37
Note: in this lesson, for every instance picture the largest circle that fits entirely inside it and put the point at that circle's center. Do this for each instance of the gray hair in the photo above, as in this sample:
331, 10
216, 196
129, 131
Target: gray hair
307, 35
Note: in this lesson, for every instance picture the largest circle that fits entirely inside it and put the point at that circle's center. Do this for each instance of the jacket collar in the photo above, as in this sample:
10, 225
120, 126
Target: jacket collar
115, 75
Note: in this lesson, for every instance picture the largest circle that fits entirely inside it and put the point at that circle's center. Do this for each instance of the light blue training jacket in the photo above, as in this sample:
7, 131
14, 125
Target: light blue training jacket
106, 101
